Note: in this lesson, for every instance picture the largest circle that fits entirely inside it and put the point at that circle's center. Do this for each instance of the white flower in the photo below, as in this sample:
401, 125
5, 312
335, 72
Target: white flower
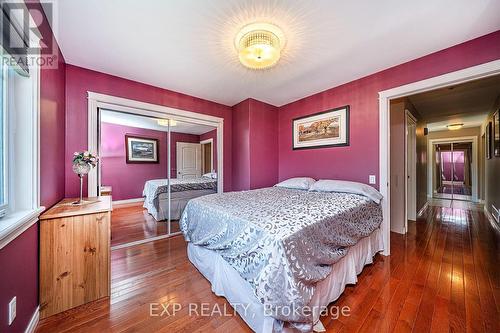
76, 153
86, 153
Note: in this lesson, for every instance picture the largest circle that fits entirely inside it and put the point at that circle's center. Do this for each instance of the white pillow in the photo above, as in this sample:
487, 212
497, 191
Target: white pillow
212, 175
300, 183
328, 185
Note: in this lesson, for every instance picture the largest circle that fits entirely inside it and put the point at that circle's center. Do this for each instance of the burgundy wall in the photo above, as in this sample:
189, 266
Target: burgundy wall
241, 146
113, 158
211, 135
263, 144
52, 132
255, 145
19, 277
360, 159
113, 161
80, 80
19, 258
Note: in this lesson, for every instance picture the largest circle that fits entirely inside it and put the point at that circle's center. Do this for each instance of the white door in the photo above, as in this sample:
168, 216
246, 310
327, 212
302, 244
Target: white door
188, 160
411, 170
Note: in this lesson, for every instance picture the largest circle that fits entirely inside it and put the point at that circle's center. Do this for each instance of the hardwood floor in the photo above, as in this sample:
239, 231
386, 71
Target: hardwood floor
131, 222
444, 276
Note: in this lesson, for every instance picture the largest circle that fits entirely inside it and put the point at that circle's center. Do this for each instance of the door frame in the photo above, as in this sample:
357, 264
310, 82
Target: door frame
97, 101
456, 77
413, 170
204, 142
475, 163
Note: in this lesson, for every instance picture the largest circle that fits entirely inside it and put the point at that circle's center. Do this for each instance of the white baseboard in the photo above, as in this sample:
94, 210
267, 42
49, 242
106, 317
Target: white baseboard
127, 201
490, 218
423, 209
143, 241
495, 213
34, 321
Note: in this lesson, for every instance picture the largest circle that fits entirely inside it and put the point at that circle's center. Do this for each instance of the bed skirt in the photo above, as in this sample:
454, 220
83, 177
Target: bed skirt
228, 283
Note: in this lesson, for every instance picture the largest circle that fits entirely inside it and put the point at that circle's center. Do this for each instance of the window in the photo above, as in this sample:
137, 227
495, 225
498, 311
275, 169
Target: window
19, 179
3, 150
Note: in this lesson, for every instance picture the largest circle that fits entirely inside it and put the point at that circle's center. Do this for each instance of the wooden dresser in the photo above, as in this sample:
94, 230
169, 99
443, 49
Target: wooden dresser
74, 254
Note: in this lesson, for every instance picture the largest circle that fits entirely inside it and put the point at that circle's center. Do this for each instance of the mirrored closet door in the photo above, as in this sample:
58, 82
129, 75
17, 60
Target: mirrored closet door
192, 166
453, 171
152, 167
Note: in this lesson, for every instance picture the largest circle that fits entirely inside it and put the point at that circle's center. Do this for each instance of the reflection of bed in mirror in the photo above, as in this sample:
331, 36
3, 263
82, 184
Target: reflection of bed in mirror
181, 191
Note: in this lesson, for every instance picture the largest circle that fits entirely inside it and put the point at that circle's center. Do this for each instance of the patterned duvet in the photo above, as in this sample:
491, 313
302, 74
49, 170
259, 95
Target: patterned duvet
281, 241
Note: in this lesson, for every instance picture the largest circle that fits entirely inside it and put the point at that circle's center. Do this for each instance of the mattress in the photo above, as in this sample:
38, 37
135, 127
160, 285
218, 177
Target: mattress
282, 242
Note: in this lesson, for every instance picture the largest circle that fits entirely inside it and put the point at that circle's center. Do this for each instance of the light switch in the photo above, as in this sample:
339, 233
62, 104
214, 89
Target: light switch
372, 179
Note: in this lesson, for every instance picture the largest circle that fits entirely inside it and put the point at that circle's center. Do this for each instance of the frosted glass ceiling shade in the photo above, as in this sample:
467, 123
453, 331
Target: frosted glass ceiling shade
259, 45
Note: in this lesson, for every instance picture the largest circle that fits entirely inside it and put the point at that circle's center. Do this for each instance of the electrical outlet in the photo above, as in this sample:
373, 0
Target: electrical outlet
372, 179
12, 310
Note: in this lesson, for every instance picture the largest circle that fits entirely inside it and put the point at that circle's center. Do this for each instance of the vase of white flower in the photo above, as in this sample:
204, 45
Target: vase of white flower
83, 162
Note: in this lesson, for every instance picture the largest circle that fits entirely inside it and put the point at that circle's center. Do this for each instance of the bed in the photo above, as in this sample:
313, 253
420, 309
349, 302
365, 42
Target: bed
155, 195
280, 255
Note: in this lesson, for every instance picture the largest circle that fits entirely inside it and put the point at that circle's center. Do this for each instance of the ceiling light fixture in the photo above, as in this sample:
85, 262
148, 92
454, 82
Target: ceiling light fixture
259, 45
454, 127
164, 122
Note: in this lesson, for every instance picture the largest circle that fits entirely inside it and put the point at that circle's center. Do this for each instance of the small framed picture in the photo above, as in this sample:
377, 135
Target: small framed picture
496, 133
141, 150
321, 130
488, 140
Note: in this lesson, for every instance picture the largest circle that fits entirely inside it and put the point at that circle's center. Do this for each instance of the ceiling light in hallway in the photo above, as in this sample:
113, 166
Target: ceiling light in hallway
454, 127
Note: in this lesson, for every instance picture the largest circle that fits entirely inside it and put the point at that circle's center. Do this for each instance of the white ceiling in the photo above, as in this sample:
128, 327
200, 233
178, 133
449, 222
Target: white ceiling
468, 103
187, 46
127, 119
468, 121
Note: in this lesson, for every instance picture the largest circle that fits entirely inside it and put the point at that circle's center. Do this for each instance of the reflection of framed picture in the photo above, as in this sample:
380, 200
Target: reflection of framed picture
141, 150
496, 133
321, 130
488, 140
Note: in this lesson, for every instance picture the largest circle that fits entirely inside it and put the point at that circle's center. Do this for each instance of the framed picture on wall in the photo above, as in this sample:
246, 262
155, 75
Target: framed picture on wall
320, 130
140, 149
496, 133
488, 140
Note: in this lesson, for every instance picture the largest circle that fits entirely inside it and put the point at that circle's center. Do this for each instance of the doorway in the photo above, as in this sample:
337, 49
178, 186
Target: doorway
207, 155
